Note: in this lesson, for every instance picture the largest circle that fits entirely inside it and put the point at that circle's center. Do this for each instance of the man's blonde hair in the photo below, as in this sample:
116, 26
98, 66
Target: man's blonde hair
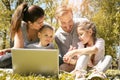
61, 10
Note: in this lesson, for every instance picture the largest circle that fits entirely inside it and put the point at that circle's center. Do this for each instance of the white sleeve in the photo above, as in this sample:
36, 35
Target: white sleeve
100, 44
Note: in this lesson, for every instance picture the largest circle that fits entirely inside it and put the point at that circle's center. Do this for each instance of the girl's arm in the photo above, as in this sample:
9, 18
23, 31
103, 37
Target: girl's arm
18, 40
89, 50
97, 48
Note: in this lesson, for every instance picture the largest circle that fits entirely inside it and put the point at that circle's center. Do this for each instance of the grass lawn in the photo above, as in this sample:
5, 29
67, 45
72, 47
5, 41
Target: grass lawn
7, 75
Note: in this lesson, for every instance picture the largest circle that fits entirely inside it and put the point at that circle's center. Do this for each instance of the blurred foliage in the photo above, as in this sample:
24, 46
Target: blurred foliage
107, 19
81, 8
8, 75
4, 25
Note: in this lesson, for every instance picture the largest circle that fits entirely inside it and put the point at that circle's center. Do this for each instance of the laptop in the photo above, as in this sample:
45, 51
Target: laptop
35, 61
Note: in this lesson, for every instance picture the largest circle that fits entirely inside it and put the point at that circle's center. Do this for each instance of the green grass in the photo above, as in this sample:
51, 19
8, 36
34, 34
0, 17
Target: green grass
6, 75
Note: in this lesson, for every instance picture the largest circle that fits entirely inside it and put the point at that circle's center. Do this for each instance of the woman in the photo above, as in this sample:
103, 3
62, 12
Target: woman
26, 21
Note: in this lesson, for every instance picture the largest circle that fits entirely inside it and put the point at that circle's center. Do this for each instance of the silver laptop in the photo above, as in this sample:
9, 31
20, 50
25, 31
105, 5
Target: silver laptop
35, 61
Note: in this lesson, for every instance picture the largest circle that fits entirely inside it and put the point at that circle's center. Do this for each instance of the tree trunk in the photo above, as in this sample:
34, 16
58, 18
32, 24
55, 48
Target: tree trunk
4, 39
7, 4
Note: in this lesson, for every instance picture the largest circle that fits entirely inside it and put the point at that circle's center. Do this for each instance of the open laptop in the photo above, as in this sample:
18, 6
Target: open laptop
35, 61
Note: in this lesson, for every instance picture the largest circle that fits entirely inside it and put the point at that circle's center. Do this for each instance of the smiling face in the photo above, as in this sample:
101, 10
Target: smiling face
46, 36
84, 35
87, 33
66, 22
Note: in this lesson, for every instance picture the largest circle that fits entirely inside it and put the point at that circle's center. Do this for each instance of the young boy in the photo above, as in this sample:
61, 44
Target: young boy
45, 35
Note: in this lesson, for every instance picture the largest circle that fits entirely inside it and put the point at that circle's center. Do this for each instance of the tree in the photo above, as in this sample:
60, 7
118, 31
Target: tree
81, 8
4, 23
107, 19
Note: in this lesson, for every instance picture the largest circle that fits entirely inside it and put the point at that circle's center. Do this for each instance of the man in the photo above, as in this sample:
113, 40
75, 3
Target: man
66, 35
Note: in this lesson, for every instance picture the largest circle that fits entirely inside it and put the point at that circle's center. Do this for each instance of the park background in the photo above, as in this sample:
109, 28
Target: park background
104, 13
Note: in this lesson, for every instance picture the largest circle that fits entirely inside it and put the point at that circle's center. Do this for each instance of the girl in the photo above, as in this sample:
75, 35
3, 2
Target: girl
45, 35
87, 35
26, 21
